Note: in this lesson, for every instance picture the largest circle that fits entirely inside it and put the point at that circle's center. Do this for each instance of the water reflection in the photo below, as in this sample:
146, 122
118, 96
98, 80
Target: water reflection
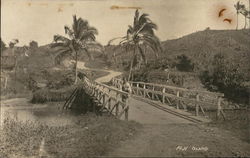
50, 115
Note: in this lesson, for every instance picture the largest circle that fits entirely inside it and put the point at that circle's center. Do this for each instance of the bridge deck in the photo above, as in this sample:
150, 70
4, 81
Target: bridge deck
145, 113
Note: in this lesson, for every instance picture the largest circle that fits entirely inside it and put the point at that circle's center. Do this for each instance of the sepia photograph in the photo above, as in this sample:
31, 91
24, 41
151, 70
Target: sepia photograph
125, 78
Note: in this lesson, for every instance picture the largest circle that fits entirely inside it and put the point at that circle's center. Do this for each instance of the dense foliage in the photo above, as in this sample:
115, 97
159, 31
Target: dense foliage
226, 76
3, 45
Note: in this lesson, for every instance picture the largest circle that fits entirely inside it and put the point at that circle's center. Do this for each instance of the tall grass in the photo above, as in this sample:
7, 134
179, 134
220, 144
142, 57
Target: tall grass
88, 136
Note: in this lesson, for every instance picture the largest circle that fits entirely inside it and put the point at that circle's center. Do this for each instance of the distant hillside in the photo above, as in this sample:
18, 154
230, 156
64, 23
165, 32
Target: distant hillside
201, 46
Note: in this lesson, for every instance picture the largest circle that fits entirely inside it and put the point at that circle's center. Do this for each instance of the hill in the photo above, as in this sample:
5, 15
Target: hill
202, 46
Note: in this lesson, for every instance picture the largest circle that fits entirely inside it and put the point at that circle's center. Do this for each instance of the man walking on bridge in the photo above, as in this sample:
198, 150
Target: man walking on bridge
126, 88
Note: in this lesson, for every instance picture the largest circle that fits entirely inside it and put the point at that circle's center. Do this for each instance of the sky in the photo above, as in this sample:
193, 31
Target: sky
40, 20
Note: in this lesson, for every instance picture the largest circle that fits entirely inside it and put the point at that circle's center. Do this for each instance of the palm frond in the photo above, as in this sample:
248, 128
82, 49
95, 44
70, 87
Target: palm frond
55, 45
60, 55
94, 45
61, 38
69, 32
136, 18
142, 54
112, 40
130, 30
144, 18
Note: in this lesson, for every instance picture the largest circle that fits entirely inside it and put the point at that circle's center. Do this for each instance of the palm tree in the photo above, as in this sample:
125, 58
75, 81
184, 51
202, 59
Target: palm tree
238, 8
81, 37
3, 46
245, 13
138, 36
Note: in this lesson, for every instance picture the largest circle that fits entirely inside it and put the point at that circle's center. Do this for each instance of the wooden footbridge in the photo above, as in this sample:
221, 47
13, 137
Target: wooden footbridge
112, 100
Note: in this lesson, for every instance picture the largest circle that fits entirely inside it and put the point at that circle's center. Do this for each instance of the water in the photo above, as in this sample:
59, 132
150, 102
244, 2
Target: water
22, 110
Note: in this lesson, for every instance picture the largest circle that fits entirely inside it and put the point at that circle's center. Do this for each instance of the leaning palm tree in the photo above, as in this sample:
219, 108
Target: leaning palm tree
138, 36
81, 37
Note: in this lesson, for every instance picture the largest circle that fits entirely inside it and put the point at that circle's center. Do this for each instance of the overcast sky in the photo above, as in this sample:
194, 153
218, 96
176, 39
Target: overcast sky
39, 20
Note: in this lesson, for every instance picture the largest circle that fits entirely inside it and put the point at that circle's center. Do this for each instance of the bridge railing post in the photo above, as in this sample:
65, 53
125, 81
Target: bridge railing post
153, 89
144, 90
178, 101
219, 109
197, 105
163, 95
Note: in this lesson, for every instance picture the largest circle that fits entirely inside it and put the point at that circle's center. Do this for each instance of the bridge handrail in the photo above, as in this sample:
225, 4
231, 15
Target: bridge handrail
181, 89
105, 94
200, 98
174, 88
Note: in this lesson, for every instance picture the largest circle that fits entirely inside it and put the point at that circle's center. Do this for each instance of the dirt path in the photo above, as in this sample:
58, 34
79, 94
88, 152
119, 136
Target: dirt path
107, 78
178, 140
165, 135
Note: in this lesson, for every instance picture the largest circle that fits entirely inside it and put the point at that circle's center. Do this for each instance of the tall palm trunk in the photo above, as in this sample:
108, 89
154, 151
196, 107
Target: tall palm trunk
237, 20
245, 22
76, 60
131, 64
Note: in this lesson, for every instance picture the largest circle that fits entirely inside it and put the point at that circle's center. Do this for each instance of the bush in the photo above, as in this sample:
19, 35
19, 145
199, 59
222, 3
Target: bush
33, 45
46, 95
184, 63
225, 76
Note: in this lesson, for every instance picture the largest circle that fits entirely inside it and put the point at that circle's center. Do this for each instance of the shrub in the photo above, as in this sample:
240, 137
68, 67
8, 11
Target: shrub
225, 76
33, 45
184, 63
46, 95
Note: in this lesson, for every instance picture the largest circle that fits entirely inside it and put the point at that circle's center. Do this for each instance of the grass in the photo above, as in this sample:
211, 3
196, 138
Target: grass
88, 136
237, 122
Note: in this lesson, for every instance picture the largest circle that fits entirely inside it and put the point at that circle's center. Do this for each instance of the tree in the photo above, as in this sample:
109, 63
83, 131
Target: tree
81, 37
33, 45
13, 43
3, 45
238, 8
139, 35
245, 13
185, 63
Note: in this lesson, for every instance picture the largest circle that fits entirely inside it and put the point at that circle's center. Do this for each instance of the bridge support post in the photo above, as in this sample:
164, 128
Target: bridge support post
109, 102
153, 97
117, 109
